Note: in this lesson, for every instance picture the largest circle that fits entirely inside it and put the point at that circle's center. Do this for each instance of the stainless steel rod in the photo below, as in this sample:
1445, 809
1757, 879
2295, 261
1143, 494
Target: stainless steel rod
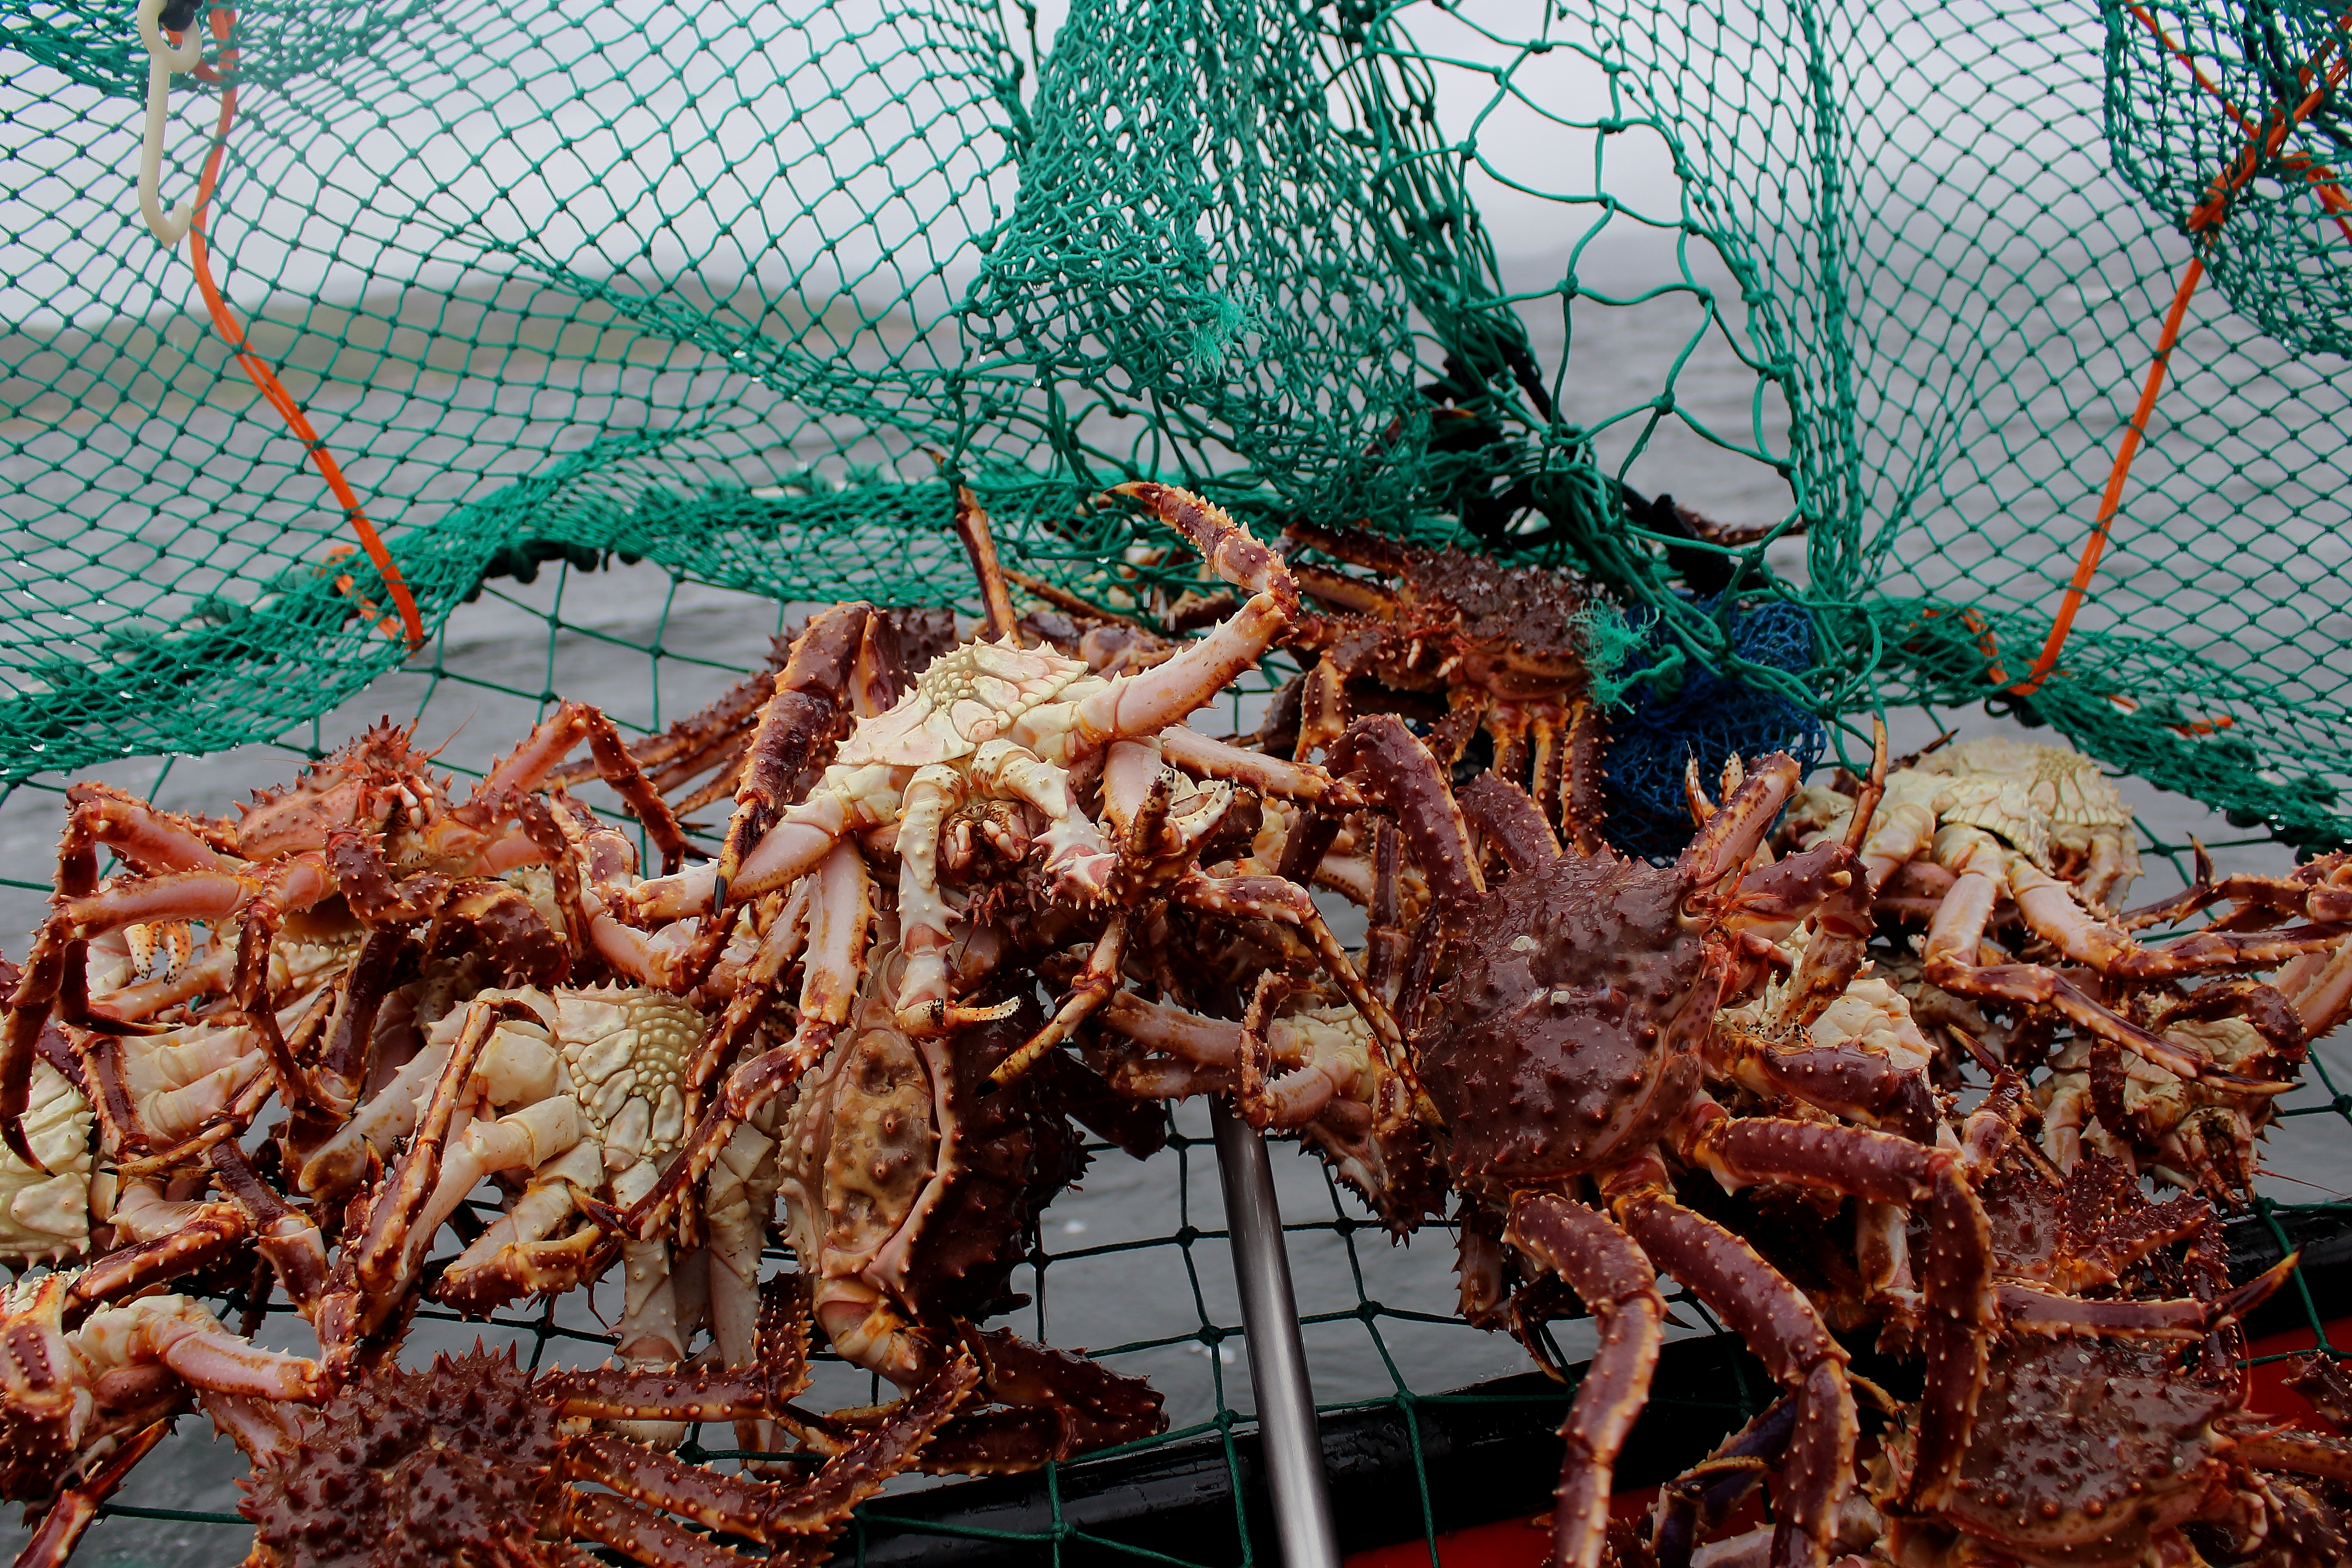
1285, 1400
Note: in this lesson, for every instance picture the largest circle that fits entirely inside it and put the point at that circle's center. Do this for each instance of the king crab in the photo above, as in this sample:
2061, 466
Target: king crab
396, 819
1502, 646
991, 723
1565, 1057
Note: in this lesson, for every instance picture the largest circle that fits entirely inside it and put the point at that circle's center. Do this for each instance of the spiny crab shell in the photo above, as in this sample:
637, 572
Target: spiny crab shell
973, 693
623, 1050
900, 1178
1549, 1054
455, 1465
2083, 1451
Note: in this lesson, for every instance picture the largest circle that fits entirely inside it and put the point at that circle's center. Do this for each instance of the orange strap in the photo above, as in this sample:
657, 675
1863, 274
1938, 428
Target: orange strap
2208, 215
266, 381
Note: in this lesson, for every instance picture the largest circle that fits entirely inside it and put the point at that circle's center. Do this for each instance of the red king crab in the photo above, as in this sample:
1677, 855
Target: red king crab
909, 1195
87, 1389
2115, 1436
477, 1461
1987, 824
397, 820
1502, 646
1565, 1058
991, 721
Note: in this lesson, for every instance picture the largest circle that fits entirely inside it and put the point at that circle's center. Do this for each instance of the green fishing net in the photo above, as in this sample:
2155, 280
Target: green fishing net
744, 290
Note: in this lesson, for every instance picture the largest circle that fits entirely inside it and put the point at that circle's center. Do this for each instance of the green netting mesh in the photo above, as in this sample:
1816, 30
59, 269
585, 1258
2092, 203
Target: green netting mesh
1134, 1265
739, 287
2195, 90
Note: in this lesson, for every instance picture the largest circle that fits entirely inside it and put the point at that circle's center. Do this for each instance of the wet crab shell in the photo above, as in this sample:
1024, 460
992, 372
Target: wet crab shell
1569, 1031
927, 1189
2083, 1451
454, 1465
969, 695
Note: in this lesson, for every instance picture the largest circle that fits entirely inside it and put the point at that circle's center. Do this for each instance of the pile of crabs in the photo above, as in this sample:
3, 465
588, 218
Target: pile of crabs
1881, 1060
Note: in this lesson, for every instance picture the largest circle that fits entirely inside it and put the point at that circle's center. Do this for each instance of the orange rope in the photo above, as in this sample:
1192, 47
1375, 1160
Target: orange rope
2207, 216
2322, 179
266, 381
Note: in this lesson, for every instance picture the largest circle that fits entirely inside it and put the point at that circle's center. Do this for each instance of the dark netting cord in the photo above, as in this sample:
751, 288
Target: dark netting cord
1704, 715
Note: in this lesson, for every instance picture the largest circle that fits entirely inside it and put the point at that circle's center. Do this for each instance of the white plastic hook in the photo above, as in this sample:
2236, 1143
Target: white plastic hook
162, 59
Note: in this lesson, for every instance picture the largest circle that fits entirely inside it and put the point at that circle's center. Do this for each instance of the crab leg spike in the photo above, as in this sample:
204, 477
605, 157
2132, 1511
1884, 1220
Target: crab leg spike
1607, 1270
972, 527
62, 1526
804, 715
1777, 1322
1092, 988
624, 1393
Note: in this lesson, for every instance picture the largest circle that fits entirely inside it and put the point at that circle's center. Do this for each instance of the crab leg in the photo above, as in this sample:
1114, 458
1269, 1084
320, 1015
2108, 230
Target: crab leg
1884, 1168
840, 913
1777, 1322
1607, 1270
1092, 988
1951, 944
62, 1526
372, 1275
290, 1241
1196, 753
1291, 1100
1510, 821
2049, 907
806, 712
520, 771
925, 928
1272, 898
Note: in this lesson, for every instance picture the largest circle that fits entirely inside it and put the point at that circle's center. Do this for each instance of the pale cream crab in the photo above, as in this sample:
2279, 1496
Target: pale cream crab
583, 1090
992, 721
2198, 1135
1996, 819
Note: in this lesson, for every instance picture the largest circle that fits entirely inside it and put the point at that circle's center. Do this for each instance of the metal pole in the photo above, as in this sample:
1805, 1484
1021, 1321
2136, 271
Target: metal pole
1286, 1401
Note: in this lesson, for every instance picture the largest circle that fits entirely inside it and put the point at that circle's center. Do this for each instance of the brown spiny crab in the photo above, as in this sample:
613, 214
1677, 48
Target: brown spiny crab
1483, 644
87, 1390
475, 1461
2115, 1452
909, 1195
1569, 1045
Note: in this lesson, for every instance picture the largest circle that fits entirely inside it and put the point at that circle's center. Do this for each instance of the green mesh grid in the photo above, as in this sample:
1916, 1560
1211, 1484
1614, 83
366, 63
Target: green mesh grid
2194, 90
739, 289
